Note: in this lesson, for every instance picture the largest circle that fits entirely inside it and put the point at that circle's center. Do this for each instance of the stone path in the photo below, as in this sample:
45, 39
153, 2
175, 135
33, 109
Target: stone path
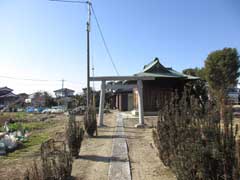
119, 168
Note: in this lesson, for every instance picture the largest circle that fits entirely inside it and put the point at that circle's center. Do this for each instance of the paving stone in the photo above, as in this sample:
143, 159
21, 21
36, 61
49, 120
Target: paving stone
119, 168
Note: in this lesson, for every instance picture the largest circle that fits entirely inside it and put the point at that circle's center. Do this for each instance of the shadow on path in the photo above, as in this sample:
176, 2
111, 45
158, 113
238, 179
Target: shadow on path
105, 159
109, 136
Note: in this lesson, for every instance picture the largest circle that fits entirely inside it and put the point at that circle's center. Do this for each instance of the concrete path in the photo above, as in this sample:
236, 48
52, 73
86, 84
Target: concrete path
119, 168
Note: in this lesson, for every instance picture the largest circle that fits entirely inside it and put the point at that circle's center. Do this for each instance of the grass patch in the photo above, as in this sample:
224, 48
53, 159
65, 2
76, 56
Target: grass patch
20, 115
36, 139
14, 115
39, 133
29, 126
38, 125
31, 146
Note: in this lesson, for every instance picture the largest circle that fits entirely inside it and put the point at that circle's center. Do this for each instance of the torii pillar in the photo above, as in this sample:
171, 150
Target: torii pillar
140, 104
102, 101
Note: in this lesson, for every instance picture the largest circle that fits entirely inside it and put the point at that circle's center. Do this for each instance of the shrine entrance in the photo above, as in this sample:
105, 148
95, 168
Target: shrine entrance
105, 86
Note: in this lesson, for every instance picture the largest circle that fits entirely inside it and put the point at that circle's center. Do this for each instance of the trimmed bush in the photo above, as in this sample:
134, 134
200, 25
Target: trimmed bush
90, 121
191, 140
56, 160
55, 164
33, 173
75, 135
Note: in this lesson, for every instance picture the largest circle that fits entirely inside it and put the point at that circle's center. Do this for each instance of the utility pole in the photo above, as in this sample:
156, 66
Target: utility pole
64, 95
88, 2
62, 86
93, 87
88, 52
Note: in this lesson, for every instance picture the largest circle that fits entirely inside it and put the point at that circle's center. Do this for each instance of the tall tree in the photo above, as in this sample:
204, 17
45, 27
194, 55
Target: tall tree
199, 87
222, 72
199, 72
49, 100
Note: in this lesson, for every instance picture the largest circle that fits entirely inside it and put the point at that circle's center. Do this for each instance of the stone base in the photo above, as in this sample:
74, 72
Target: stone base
139, 125
101, 125
134, 112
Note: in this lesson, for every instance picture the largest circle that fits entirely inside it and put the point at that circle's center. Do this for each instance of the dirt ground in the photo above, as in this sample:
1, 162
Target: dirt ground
13, 166
93, 162
144, 161
95, 154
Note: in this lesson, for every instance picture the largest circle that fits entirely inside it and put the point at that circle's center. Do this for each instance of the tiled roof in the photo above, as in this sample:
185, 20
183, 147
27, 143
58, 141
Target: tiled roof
5, 89
64, 89
8, 95
157, 70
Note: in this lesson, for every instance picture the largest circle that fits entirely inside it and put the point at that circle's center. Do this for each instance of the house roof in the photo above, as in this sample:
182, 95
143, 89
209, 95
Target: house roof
8, 95
157, 70
64, 89
6, 89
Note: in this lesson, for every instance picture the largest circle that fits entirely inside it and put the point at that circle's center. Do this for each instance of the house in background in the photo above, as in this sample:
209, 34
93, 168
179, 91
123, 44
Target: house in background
155, 92
36, 99
65, 92
7, 96
23, 97
64, 96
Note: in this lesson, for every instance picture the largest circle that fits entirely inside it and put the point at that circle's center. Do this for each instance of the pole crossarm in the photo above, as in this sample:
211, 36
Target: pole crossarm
120, 78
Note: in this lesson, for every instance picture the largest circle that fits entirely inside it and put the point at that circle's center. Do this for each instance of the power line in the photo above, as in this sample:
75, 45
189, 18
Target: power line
24, 79
38, 80
68, 1
104, 42
99, 28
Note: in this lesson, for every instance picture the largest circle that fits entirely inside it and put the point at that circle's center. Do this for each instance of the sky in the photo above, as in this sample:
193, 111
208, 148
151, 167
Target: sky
41, 39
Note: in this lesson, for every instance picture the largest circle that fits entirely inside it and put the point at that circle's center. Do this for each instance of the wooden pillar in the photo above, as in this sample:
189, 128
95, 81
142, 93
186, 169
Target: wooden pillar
102, 101
140, 103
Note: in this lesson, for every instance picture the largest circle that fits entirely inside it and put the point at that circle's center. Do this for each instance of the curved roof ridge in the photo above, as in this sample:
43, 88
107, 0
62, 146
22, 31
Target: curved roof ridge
152, 63
155, 65
157, 70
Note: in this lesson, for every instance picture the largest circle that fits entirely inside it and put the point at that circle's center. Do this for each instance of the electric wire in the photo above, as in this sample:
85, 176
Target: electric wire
69, 1
99, 29
104, 41
38, 80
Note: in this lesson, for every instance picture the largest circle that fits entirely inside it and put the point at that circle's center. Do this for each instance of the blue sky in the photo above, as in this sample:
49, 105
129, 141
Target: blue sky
47, 40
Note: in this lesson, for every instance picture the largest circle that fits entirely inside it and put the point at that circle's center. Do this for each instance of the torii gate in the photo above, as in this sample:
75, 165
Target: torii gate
139, 87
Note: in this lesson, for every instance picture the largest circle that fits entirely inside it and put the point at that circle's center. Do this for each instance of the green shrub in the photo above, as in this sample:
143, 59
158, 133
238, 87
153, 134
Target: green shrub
15, 127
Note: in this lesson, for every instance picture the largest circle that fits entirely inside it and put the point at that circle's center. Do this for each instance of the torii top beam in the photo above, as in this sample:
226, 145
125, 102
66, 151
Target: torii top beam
120, 78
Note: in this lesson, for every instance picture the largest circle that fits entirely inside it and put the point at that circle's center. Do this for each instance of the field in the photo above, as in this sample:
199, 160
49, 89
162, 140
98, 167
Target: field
93, 162
14, 164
